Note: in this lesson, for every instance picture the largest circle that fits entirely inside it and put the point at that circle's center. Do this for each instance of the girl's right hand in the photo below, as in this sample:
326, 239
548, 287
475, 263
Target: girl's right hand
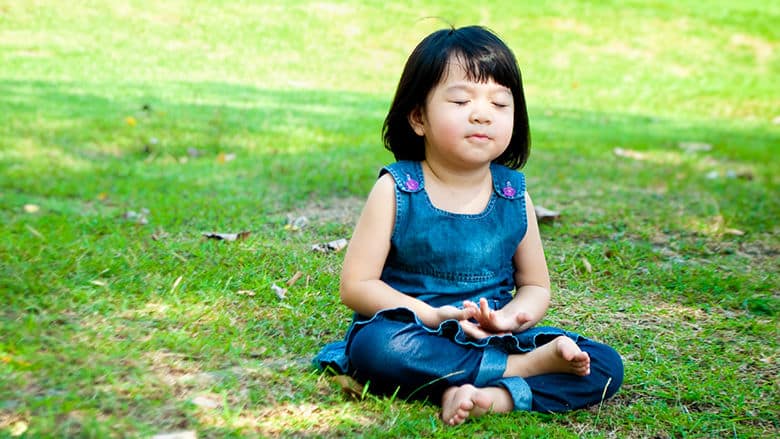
447, 312
497, 322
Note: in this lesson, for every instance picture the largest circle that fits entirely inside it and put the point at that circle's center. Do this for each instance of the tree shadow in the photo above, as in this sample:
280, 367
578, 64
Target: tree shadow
166, 145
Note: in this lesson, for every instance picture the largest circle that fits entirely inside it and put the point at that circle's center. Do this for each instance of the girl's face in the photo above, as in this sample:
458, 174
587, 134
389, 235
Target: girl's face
465, 123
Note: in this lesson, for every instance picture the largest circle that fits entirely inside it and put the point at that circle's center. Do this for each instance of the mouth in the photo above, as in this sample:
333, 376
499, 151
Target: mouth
479, 136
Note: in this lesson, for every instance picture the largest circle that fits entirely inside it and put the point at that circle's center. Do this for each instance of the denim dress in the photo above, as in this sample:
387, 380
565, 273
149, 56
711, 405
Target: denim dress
444, 258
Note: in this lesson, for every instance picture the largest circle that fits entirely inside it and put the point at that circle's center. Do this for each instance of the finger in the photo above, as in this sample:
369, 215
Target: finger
472, 330
484, 308
476, 334
466, 310
471, 307
467, 313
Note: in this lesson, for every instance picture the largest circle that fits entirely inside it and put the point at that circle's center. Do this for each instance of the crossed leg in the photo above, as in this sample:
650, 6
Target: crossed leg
561, 355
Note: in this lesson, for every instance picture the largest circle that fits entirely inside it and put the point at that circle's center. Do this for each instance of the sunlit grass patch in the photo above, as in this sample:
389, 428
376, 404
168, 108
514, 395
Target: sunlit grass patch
129, 130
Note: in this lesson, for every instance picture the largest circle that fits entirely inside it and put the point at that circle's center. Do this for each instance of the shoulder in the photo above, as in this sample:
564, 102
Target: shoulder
508, 183
382, 196
407, 175
384, 186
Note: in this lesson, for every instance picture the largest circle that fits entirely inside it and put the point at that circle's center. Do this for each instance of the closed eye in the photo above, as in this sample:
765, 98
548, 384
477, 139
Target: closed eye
500, 105
460, 102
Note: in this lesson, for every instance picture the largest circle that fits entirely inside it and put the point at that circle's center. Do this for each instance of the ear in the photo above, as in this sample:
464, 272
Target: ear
416, 121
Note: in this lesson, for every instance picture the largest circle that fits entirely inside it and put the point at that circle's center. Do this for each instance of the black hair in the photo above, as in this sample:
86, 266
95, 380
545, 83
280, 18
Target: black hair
484, 57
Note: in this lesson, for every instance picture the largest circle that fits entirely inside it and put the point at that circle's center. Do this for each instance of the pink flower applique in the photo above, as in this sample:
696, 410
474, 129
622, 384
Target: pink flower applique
508, 190
411, 184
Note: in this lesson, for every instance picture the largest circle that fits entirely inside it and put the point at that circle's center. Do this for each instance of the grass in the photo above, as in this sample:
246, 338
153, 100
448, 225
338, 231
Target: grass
226, 117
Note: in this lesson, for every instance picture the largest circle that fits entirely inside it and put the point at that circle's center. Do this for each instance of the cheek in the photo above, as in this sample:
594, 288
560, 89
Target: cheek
510, 121
447, 125
507, 125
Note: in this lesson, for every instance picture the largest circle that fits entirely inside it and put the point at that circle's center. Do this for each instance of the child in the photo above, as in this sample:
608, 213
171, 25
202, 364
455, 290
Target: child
447, 234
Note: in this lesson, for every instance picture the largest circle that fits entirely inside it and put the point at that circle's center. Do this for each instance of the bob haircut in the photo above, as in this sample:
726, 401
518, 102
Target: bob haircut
485, 57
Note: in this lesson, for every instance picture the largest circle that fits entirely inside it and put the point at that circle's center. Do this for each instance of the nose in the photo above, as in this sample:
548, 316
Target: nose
480, 113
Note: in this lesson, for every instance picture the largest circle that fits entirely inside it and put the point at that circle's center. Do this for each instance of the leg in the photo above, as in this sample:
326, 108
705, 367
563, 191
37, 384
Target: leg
560, 392
403, 357
459, 403
561, 355
407, 360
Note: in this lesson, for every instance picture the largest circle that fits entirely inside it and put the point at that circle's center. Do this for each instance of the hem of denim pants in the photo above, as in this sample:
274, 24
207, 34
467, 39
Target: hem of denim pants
519, 391
492, 366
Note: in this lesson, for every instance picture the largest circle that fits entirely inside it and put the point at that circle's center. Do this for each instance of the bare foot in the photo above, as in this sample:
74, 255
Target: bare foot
458, 403
562, 355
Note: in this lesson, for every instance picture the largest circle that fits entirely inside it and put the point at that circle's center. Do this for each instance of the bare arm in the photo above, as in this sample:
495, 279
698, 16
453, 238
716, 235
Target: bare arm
532, 281
361, 288
532, 277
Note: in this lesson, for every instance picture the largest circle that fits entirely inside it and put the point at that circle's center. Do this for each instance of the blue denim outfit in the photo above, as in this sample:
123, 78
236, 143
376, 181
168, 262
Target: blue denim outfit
444, 258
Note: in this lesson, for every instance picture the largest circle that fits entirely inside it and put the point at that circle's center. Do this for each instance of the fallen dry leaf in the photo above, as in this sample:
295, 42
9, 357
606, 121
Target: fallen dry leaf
545, 215
227, 236
695, 146
742, 175
296, 224
349, 386
291, 281
225, 157
249, 293
176, 283
177, 435
207, 402
586, 264
629, 153
712, 175
279, 291
139, 217
18, 428
159, 235
259, 352
7, 359
34, 232
332, 246
31, 208
735, 232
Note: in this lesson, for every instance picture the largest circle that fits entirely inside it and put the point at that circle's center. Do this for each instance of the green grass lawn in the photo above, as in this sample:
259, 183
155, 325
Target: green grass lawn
239, 116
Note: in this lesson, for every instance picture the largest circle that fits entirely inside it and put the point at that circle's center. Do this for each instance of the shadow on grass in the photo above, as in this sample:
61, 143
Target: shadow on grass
67, 145
104, 136
72, 139
87, 153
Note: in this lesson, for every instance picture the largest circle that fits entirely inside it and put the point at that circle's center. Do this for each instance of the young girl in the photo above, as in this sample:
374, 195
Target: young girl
447, 235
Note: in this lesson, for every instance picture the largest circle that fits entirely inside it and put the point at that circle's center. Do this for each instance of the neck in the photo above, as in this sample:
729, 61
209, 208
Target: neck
460, 177
461, 191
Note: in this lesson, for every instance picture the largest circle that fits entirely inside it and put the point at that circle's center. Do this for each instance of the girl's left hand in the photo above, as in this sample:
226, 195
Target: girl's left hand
492, 322
473, 330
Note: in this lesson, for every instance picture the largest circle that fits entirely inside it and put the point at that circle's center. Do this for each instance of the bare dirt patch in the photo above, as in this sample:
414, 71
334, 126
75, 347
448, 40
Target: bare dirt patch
334, 210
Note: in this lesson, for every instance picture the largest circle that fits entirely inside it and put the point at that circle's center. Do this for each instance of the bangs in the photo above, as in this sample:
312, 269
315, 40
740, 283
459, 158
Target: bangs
484, 65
